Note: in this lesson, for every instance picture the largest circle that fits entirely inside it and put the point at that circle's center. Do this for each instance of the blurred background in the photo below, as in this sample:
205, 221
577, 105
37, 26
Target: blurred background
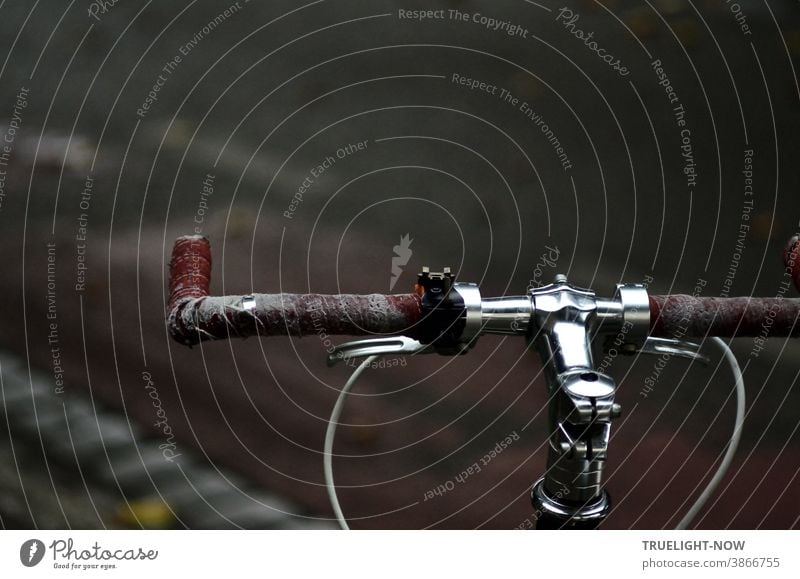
316, 142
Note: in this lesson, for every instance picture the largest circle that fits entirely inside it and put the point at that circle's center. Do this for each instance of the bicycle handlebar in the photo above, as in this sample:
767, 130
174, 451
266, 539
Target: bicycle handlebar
195, 316
560, 320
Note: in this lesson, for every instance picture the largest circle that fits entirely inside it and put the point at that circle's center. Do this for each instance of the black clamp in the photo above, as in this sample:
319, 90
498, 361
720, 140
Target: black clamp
443, 311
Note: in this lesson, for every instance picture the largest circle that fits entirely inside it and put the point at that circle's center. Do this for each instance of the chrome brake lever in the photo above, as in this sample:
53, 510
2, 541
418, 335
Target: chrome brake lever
377, 347
671, 347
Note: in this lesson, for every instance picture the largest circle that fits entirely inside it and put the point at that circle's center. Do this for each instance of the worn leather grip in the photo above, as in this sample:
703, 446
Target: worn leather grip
696, 317
195, 316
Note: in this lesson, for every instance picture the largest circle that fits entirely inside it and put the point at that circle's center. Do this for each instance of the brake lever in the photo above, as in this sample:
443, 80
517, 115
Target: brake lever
377, 347
669, 346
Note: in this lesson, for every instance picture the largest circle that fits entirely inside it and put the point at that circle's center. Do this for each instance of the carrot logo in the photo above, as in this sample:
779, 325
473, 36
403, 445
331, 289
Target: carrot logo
31, 552
402, 254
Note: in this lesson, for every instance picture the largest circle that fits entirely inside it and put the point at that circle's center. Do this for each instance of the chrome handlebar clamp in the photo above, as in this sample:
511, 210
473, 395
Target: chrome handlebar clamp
564, 321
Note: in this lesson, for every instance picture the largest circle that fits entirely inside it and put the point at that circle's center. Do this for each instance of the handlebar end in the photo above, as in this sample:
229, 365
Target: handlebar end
189, 268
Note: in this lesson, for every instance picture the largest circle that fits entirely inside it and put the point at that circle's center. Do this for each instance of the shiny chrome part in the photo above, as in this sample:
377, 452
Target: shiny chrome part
587, 384
508, 315
582, 405
471, 295
560, 504
562, 316
673, 347
635, 310
376, 347
609, 312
